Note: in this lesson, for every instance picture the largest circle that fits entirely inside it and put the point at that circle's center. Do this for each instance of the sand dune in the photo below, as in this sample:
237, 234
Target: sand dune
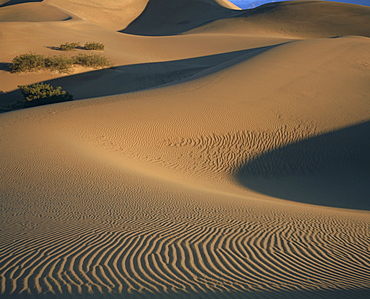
181, 15
332, 172
32, 12
4, 3
306, 19
112, 14
226, 162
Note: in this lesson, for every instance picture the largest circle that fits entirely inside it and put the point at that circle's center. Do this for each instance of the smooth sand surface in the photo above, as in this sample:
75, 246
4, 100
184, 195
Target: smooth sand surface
32, 12
112, 14
230, 161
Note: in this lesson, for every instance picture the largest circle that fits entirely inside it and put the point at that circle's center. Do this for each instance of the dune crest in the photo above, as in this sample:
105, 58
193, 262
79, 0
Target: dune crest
112, 14
303, 19
4, 3
32, 12
166, 17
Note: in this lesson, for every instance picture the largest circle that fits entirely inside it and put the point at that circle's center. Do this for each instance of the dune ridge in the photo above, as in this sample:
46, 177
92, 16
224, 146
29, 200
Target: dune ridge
4, 3
32, 12
219, 163
113, 14
294, 19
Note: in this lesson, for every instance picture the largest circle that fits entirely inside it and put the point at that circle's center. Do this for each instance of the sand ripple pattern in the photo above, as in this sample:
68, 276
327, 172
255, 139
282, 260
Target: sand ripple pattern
225, 153
192, 254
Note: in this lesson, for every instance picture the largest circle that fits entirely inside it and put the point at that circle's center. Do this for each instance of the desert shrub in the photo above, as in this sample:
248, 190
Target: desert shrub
94, 46
69, 46
59, 63
42, 94
92, 60
27, 63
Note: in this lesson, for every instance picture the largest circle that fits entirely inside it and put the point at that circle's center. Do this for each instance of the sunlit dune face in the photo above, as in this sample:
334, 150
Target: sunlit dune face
184, 148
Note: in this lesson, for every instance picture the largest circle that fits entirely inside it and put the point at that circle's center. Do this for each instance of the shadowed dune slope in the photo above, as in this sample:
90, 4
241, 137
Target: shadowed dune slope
298, 19
127, 52
129, 78
117, 14
166, 17
82, 215
330, 170
4, 3
32, 12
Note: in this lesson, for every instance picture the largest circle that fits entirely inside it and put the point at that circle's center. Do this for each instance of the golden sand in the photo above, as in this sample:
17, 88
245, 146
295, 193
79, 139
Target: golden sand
228, 161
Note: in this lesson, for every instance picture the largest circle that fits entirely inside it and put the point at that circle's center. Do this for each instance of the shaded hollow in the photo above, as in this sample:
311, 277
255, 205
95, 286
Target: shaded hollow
332, 169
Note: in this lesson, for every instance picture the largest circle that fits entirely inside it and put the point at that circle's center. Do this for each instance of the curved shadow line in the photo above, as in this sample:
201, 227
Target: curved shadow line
130, 78
181, 16
332, 170
152, 23
15, 2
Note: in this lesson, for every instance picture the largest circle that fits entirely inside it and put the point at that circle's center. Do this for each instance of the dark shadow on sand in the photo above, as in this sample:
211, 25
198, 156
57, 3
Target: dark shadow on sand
130, 78
168, 17
179, 16
4, 66
14, 2
332, 170
66, 51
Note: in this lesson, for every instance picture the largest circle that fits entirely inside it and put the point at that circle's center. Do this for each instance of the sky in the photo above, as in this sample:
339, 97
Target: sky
245, 4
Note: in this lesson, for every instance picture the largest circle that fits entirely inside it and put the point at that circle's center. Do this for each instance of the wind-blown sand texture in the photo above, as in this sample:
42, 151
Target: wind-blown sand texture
229, 161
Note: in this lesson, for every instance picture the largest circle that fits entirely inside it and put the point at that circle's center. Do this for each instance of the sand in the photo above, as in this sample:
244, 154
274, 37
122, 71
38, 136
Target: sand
228, 161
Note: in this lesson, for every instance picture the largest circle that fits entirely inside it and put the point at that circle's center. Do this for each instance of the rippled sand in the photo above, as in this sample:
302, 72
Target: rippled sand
228, 161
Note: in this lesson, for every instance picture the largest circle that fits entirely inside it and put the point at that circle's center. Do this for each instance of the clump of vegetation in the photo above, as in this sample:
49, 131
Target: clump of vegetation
59, 63
42, 94
94, 46
38, 94
27, 63
69, 46
91, 60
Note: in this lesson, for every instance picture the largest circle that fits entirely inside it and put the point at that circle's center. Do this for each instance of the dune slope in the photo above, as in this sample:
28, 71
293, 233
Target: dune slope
310, 19
4, 3
112, 14
304, 19
179, 16
32, 12
208, 165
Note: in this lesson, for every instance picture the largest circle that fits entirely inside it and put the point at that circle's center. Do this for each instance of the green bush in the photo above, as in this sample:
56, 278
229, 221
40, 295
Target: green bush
42, 94
91, 60
27, 63
69, 46
59, 63
94, 46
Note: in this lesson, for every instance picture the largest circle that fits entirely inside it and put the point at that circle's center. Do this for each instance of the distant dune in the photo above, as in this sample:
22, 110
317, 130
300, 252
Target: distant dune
166, 17
4, 3
223, 155
298, 19
112, 14
32, 12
